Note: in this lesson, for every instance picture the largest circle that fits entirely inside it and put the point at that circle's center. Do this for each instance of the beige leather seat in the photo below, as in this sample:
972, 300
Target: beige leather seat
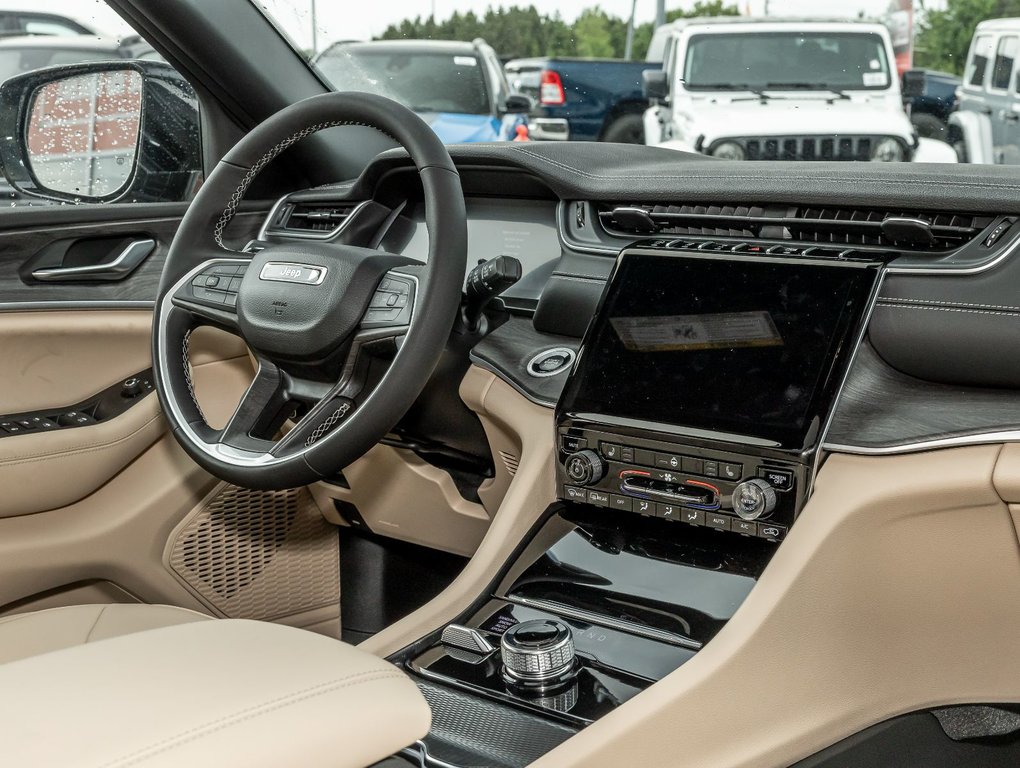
29, 634
161, 687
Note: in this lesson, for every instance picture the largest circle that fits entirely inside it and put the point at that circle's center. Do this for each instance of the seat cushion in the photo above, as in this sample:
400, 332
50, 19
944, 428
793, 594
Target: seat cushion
207, 694
30, 634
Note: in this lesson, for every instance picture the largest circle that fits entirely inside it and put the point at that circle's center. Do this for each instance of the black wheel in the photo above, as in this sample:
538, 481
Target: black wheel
928, 126
628, 129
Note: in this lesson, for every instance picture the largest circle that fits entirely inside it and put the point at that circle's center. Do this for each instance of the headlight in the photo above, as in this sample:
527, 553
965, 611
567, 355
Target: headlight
729, 150
887, 151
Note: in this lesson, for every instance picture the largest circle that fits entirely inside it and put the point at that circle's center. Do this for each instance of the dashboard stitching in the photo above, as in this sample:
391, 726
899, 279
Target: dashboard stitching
893, 301
951, 309
702, 176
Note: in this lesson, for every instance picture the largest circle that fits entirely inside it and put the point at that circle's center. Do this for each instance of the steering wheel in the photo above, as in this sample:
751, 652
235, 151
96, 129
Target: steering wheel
345, 338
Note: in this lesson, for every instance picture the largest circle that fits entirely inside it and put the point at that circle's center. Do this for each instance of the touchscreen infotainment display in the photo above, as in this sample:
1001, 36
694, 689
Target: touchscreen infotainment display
748, 347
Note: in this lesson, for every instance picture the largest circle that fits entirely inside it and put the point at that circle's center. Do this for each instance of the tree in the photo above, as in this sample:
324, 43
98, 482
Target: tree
593, 34
520, 32
944, 36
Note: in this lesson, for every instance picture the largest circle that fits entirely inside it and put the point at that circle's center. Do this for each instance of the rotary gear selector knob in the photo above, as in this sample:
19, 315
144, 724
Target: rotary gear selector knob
585, 467
754, 499
538, 653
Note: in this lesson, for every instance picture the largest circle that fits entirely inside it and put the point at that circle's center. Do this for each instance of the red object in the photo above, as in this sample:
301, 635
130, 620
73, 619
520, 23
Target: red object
522, 133
551, 93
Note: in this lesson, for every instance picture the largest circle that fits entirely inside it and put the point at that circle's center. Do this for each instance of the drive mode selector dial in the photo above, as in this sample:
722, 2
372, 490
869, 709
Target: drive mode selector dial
754, 499
538, 653
585, 467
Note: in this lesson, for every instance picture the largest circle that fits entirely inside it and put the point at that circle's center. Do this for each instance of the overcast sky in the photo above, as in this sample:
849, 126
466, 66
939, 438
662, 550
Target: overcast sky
356, 20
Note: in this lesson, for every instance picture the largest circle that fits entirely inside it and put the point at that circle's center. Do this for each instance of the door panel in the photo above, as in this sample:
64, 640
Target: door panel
19, 244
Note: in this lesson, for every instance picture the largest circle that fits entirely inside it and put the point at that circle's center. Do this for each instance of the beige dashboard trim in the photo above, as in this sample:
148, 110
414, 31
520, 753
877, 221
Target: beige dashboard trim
503, 411
897, 590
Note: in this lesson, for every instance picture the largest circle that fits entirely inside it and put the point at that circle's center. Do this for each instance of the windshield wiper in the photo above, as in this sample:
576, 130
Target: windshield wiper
758, 91
840, 94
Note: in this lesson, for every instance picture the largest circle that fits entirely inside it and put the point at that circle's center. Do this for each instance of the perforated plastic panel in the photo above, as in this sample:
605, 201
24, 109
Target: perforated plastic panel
258, 554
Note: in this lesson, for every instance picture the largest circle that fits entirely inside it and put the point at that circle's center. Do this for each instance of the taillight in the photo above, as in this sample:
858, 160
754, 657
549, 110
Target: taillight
551, 93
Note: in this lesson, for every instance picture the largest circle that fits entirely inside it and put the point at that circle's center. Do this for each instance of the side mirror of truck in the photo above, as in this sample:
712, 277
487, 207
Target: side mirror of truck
913, 83
518, 103
655, 84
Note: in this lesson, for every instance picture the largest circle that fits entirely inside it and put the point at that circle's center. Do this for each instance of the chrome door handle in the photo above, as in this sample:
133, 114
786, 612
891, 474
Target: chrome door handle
119, 267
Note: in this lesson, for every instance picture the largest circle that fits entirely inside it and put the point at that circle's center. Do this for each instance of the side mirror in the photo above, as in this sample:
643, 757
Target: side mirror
655, 84
518, 102
100, 132
913, 83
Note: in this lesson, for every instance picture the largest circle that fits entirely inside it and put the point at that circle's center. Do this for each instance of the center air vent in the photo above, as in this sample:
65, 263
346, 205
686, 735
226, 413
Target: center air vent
312, 219
804, 224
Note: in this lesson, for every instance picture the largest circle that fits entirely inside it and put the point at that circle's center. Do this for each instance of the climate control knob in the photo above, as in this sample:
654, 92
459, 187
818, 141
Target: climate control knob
754, 499
585, 468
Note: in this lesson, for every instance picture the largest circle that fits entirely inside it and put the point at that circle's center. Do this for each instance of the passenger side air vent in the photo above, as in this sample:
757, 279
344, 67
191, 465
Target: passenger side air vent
312, 219
903, 230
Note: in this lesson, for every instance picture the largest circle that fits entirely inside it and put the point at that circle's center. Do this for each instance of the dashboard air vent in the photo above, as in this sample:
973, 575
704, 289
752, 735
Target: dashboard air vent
806, 224
320, 219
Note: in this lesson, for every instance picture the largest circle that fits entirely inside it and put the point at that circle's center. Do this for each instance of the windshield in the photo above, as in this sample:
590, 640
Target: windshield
777, 60
887, 80
417, 78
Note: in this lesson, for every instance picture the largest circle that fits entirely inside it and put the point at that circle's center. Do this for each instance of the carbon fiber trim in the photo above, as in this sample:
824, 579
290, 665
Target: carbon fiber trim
472, 732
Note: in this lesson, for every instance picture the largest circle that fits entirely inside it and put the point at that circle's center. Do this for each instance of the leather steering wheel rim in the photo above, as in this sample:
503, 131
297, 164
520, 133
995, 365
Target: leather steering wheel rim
435, 289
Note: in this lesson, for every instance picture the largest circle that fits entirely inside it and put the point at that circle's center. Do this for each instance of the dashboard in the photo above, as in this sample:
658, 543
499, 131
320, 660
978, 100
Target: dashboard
524, 229
704, 337
941, 329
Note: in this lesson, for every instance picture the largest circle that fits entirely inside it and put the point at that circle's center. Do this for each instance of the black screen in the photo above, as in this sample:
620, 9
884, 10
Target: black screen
744, 346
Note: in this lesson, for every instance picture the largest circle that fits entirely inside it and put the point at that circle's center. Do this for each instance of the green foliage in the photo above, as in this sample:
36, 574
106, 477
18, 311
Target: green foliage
521, 32
944, 36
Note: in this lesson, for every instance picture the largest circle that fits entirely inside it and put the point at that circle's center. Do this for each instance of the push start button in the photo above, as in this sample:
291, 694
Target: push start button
551, 361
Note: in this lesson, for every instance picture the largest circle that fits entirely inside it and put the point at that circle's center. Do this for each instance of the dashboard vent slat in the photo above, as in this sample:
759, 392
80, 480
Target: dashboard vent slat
313, 218
806, 224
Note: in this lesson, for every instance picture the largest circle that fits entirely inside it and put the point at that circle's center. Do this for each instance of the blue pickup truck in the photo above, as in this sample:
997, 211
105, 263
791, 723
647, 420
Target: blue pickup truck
930, 110
582, 99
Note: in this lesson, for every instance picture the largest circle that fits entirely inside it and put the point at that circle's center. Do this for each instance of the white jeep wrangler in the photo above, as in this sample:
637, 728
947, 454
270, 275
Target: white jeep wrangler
751, 89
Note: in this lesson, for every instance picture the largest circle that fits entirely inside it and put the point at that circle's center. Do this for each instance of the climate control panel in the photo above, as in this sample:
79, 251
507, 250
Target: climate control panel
740, 492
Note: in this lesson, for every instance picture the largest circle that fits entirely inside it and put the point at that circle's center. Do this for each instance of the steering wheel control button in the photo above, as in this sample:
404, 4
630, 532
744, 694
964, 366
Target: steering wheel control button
390, 304
780, 479
538, 653
286, 272
585, 467
550, 362
754, 499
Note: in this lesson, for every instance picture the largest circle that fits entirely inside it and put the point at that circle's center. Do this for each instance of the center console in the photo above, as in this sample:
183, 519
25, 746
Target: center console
688, 434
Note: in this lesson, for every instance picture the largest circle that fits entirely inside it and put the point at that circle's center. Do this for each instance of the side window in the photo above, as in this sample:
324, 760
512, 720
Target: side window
1005, 57
121, 126
978, 64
